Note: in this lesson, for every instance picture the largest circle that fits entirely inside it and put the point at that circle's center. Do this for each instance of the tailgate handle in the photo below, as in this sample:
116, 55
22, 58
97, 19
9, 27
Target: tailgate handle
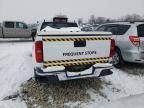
79, 43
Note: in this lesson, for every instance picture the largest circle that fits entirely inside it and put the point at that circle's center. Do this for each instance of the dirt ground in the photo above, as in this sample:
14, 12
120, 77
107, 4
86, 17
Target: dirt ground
133, 68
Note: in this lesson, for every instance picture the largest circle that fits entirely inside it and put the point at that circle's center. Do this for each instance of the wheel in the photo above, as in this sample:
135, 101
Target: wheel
33, 34
117, 59
33, 37
37, 78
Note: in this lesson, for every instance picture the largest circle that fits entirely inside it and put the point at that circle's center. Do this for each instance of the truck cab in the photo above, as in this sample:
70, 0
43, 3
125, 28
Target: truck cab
15, 29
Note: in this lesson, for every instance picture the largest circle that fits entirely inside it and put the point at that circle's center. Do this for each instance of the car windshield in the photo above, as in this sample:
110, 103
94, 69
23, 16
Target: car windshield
140, 30
115, 29
57, 25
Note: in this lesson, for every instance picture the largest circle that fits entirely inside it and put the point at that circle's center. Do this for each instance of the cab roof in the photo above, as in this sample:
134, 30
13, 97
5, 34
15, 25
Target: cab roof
126, 22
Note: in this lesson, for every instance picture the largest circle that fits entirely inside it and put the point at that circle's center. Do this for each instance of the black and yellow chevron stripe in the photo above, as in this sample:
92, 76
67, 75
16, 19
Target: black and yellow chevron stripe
75, 39
76, 62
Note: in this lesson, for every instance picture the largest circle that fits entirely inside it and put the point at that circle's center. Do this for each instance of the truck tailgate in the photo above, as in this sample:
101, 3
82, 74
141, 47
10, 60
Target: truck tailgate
76, 48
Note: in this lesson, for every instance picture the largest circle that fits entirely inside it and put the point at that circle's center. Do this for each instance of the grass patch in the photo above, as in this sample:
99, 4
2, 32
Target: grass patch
55, 95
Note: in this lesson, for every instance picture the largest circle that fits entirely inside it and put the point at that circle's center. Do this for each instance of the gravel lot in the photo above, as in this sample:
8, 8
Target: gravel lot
55, 95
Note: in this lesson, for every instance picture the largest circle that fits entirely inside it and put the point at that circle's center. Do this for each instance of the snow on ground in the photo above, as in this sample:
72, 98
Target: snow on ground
12, 104
122, 85
16, 67
130, 84
136, 101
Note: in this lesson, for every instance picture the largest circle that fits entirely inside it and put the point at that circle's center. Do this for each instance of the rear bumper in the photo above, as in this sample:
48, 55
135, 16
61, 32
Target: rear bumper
135, 57
97, 70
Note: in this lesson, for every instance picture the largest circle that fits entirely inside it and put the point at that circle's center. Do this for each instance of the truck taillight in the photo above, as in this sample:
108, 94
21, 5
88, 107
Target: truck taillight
39, 51
112, 49
135, 40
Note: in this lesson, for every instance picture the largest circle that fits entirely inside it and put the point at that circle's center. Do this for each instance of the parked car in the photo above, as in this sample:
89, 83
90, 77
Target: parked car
62, 51
87, 29
95, 26
15, 29
129, 38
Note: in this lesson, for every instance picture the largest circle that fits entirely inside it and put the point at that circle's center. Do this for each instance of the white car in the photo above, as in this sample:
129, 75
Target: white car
129, 38
63, 52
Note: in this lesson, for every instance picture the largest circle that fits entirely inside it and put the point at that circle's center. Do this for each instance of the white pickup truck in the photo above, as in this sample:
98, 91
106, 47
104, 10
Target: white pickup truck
63, 52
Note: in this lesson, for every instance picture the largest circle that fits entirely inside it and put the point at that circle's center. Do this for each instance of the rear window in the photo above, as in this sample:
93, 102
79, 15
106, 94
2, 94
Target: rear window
140, 30
115, 29
21, 25
9, 24
58, 25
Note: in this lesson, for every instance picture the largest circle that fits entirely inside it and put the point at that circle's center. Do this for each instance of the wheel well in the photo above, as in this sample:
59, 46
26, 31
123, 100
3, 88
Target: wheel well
117, 48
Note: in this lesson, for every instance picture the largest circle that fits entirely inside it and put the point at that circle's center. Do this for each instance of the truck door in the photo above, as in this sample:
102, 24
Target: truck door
8, 29
1, 31
22, 30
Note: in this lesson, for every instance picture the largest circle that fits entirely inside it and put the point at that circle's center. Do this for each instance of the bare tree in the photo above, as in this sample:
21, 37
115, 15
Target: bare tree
80, 21
100, 20
132, 17
92, 20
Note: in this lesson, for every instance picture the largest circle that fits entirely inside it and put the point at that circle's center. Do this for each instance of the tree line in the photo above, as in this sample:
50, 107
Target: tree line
100, 20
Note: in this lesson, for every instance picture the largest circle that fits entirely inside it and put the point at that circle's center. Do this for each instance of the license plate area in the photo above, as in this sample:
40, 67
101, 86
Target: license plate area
80, 43
83, 73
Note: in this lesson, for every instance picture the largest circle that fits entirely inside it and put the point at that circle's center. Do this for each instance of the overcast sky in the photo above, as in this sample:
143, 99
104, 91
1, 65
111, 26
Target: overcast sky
33, 10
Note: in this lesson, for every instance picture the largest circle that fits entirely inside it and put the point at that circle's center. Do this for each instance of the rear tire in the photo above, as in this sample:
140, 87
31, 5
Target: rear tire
45, 79
37, 78
117, 59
